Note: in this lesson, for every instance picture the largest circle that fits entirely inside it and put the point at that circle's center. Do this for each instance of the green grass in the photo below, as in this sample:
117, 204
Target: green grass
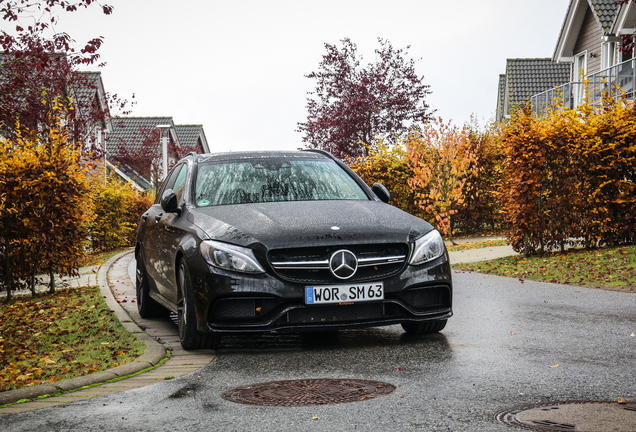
609, 268
476, 245
99, 258
71, 333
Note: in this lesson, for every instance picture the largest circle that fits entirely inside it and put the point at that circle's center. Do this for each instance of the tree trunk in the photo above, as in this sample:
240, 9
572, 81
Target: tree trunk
7, 267
51, 279
35, 267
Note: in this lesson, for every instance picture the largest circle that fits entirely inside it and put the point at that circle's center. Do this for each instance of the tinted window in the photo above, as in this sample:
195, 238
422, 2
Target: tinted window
274, 179
179, 183
169, 182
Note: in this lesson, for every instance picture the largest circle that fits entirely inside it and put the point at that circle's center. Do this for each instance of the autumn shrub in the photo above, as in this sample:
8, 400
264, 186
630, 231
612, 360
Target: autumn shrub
606, 167
118, 207
442, 164
388, 164
569, 176
45, 203
480, 210
442, 173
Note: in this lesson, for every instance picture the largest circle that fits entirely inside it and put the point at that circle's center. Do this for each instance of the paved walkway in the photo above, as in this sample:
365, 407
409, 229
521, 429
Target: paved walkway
116, 280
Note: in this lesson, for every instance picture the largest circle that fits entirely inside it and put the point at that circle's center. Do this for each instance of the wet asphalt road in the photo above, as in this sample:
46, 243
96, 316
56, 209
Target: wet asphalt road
496, 353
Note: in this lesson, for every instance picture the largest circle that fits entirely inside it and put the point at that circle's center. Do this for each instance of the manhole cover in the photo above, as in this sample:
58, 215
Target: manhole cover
308, 392
573, 416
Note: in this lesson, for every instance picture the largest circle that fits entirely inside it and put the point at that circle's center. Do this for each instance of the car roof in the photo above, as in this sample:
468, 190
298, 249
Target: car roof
244, 155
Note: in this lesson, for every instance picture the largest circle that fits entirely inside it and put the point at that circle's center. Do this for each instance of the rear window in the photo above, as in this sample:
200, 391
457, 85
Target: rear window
273, 179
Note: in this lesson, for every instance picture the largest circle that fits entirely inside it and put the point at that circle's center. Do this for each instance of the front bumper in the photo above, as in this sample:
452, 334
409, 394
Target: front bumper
229, 302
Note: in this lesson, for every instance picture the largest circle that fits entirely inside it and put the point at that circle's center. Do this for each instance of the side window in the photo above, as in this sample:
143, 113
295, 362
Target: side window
180, 182
169, 182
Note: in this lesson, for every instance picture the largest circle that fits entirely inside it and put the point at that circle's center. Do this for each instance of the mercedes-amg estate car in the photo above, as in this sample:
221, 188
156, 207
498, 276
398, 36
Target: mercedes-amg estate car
285, 241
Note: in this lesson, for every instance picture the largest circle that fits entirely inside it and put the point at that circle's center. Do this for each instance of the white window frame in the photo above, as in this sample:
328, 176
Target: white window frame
579, 72
608, 55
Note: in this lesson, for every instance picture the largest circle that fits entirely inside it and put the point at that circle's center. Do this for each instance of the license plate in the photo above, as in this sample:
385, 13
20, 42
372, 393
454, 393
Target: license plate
344, 293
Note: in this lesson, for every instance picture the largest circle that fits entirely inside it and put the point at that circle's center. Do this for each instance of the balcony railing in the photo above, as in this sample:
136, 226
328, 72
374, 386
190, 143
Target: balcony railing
615, 80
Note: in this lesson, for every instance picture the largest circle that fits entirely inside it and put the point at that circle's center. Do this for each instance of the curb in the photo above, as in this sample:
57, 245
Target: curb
153, 355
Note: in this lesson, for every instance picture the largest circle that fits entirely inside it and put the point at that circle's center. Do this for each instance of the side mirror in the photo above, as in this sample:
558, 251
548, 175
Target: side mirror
381, 192
169, 202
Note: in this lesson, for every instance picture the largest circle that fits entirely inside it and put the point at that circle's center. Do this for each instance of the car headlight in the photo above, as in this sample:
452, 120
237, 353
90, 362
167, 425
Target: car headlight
230, 257
427, 248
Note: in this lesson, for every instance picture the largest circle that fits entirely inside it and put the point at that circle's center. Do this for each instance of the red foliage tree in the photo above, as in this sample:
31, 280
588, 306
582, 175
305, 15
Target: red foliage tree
39, 65
353, 105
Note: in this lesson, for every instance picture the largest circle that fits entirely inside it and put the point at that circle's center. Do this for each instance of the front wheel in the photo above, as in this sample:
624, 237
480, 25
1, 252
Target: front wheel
189, 336
422, 328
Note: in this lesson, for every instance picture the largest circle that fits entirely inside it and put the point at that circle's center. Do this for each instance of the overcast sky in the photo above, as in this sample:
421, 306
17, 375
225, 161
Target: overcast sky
238, 67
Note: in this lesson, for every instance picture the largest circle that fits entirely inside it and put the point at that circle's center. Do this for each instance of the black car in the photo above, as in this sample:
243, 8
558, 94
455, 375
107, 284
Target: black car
285, 241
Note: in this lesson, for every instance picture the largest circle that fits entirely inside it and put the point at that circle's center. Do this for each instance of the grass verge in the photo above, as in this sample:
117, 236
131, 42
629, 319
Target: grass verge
476, 245
71, 333
99, 258
608, 268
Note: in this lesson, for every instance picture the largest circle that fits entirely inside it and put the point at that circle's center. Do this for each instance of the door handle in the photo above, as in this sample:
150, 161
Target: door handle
158, 217
144, 217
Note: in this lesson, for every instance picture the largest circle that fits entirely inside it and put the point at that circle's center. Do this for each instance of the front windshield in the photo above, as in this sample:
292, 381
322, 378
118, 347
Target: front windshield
273, 179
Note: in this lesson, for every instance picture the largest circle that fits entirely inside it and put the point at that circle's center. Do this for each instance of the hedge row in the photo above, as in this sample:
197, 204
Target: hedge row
570, 177
566, 178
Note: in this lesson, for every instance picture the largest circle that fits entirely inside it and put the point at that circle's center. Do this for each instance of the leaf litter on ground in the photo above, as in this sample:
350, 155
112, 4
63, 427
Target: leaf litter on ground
57, 336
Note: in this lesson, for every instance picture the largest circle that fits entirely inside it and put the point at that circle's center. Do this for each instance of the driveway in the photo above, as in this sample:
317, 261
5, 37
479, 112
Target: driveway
510, 343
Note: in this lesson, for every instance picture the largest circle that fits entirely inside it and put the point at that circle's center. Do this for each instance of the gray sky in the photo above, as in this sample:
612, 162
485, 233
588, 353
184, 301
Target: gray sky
238, 67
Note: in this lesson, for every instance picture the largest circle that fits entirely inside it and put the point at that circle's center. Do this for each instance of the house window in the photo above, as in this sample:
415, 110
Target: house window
578, 75
608, 55
580, 67
627, 52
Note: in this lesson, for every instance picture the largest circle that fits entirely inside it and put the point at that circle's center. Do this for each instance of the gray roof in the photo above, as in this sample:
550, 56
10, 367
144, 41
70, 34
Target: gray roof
188, 135
127, 129
527, 77
606, 12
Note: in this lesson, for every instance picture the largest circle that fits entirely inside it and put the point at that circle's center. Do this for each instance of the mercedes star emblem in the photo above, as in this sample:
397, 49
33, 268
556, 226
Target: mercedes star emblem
343, 264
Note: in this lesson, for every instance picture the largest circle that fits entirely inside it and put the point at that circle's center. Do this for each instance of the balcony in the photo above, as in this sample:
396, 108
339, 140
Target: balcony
615, 80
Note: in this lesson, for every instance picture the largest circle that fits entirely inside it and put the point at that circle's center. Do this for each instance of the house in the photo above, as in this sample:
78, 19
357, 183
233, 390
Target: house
595, 45
134, 147
192, 136
525, 78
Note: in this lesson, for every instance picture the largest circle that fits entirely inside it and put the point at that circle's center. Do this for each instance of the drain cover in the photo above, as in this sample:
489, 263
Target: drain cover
573, 416
308, 392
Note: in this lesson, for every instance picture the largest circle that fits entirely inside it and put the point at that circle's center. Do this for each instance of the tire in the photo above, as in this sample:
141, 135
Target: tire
189, 336
147, 307
422, 328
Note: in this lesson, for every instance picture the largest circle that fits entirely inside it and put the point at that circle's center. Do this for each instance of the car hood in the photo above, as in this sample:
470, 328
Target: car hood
308, 223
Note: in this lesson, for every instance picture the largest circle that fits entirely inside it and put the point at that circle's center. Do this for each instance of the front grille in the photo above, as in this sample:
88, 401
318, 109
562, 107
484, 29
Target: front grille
311, 265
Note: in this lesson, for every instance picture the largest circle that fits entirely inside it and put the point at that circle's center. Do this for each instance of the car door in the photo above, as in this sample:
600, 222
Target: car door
152, 238
168, 237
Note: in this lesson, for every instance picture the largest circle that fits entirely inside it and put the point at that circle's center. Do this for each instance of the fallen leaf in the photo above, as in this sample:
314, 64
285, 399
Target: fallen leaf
556, 365
622, 400
315, 418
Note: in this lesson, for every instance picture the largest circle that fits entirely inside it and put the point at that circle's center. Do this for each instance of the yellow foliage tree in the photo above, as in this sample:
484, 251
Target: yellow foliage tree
45, 202
442, 164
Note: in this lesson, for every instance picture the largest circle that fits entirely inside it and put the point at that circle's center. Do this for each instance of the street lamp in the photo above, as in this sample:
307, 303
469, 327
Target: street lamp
164, 147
